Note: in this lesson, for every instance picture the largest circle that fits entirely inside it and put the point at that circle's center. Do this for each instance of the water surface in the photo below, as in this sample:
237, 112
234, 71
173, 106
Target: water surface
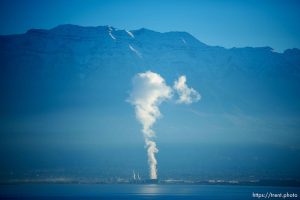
131, 191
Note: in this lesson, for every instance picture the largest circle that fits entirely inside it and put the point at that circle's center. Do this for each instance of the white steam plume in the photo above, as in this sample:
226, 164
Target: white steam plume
186, 95
149, 91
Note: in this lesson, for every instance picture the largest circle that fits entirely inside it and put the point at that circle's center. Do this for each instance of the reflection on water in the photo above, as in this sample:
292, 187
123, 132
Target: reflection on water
154, 189
151, 189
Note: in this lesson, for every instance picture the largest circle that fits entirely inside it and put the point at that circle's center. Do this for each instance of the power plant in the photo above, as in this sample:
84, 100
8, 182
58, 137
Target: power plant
136, 179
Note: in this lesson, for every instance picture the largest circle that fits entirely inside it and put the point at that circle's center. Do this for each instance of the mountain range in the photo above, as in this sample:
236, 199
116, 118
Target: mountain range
46, 63
76, 80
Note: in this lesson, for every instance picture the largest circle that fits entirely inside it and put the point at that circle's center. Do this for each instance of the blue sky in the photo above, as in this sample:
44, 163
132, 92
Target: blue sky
224, 23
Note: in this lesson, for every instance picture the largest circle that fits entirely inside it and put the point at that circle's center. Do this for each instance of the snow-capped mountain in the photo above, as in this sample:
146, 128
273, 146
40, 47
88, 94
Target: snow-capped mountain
68, 59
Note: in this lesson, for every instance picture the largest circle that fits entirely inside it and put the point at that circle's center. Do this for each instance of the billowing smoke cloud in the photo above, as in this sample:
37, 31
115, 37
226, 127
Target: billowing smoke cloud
186, 95
148, 92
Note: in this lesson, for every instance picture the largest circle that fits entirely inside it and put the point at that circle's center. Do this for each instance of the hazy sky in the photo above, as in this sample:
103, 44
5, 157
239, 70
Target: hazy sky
223, 23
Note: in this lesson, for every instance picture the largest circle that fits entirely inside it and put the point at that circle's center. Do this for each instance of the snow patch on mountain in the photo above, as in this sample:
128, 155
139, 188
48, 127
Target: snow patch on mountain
129, 33
111, 35
135, 51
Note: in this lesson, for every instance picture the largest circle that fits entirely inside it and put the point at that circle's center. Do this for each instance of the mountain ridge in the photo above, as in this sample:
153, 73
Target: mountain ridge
46, 71
72, 27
